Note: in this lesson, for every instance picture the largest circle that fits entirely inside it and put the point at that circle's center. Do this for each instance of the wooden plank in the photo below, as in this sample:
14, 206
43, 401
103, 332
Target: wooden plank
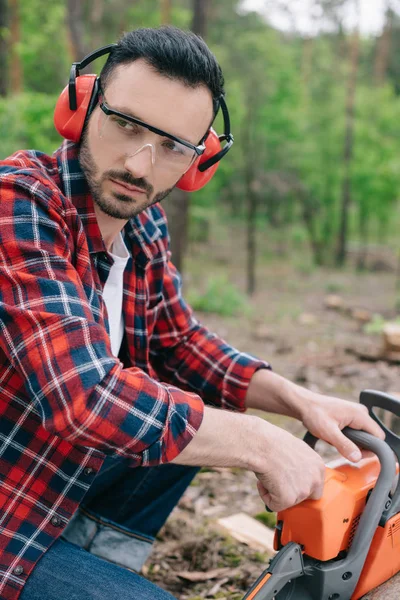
245, 529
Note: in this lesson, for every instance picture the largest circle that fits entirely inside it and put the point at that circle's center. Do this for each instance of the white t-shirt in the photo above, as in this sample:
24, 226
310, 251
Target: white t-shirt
113, 291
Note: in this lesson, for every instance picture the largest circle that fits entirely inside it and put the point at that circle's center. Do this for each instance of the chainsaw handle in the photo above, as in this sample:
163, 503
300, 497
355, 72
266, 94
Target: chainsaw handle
373, 399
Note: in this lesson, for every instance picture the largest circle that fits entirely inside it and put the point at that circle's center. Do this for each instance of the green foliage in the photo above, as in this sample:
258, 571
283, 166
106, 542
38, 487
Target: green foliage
43, 45
27, 123
377, 324
267, 518
287, 98
200, 223
220, 297
333, 287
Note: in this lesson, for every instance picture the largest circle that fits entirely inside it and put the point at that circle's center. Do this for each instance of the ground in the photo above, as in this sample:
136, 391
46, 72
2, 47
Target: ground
290, 326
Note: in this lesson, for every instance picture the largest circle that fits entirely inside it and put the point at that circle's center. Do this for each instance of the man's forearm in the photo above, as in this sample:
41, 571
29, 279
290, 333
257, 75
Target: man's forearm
228, 439
271, 392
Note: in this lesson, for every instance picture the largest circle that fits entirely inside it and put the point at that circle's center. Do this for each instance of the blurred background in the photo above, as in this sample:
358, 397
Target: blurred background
292, 250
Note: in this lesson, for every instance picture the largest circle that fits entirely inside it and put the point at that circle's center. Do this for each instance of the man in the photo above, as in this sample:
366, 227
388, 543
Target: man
105, 374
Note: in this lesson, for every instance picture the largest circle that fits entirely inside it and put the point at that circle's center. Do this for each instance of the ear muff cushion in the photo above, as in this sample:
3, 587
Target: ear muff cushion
194, 179
69, 123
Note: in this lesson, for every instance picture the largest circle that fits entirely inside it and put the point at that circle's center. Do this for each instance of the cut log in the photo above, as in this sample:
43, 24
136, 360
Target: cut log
361, 315
245, 529
391, 341
334, 302
307, 319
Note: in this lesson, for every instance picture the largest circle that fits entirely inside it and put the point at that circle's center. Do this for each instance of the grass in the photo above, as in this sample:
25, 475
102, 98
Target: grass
266, 518
220, 297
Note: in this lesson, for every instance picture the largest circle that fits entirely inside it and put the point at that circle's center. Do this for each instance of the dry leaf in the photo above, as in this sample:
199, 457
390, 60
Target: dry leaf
203, 575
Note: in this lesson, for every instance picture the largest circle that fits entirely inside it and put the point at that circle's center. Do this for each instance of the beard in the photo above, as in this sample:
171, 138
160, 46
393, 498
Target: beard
116, 205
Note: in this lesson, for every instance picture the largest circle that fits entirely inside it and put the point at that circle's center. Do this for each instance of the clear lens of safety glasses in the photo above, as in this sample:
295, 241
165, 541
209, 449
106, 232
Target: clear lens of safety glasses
127, 138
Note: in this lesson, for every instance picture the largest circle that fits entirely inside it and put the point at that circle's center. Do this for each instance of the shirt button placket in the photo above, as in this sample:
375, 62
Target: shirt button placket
56, 521
88, 471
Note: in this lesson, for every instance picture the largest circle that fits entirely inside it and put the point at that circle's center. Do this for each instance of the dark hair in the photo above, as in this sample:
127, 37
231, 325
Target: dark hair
171, 52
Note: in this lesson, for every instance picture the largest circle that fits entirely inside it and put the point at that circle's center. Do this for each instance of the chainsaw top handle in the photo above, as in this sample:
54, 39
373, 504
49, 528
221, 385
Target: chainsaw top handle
373, 399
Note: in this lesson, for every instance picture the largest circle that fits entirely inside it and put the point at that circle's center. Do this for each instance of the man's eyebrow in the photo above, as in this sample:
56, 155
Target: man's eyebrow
129, 113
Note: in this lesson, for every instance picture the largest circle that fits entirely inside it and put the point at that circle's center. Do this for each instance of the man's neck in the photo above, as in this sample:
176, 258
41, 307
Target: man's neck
109, 227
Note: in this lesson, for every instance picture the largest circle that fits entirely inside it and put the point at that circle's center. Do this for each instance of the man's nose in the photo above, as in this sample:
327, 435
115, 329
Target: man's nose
141, 162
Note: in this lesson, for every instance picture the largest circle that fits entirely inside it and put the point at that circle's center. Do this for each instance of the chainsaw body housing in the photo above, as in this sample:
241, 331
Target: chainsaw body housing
325, 528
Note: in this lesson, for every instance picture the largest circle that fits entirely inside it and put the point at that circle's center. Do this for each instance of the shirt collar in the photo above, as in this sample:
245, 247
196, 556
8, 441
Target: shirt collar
142, 230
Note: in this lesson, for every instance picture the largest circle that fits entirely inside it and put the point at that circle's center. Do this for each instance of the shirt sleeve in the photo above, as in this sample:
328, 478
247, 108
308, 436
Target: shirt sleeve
187, 354
53, 334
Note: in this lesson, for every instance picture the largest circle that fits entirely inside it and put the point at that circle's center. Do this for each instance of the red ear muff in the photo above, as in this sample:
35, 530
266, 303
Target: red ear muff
194, 179
69, 123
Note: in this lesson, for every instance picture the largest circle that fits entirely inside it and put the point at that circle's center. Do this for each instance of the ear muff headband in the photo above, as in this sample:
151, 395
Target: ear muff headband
78, 66
79, 98
226, 137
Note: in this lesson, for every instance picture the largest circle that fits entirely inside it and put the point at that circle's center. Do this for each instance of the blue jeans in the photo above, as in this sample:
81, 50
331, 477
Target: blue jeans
110, 536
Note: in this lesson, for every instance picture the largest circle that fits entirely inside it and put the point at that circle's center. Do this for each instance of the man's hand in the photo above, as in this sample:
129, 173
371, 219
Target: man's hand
323, 416
292, 471
288, 470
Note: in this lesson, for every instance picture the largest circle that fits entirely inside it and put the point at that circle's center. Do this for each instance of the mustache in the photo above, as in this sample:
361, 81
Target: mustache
125, 177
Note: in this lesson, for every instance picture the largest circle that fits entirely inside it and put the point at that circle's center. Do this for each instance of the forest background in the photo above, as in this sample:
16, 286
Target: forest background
315, 165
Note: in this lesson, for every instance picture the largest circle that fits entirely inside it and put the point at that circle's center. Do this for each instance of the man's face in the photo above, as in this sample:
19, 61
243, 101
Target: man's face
126, 176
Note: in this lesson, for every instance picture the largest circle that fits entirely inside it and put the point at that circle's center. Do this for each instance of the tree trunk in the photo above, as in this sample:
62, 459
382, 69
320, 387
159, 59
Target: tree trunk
251, 238
96, 20
177, 209
76, 29
364, 236
3, 48
349, 143
16, 74
306, 65
177, 205
310, 217
199, 22
383, 48
251, 198
166, 10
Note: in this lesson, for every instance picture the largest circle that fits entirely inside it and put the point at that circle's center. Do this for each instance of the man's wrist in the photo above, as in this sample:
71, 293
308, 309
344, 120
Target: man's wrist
271, 392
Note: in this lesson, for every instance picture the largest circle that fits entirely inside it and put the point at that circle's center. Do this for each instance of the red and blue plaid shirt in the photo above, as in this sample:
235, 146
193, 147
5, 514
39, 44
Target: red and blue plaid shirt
65, 401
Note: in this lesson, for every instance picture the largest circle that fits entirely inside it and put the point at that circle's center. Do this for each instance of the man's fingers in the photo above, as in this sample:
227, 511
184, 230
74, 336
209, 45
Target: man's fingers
375, 430
366, 423
318, 493
345, 446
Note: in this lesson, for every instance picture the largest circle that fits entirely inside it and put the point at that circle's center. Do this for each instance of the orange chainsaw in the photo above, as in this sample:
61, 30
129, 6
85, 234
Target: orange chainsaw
347, 543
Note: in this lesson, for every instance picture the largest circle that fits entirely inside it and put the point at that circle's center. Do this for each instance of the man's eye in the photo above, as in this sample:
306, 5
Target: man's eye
173, 146
126, 126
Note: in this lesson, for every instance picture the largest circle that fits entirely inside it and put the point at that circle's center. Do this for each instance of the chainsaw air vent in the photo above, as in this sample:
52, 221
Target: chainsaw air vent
394, 528
354, 526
